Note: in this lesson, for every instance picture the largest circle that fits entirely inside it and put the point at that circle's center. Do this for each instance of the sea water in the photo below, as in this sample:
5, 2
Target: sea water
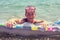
45, 9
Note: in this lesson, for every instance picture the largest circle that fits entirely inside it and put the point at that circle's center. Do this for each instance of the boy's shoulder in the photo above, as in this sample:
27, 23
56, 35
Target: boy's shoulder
38, 21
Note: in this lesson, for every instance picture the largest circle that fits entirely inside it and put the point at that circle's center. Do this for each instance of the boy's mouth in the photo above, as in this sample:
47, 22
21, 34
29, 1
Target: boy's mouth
31, 18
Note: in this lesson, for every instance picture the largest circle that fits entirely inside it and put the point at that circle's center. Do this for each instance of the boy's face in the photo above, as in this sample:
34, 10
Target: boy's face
30, 14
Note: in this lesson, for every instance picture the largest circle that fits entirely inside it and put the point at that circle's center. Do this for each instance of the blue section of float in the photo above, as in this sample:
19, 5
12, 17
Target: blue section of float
58, 23
19, 26
27, 28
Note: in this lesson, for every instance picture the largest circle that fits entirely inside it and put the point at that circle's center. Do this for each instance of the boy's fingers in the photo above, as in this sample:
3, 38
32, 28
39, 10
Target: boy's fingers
44, 25
10, 24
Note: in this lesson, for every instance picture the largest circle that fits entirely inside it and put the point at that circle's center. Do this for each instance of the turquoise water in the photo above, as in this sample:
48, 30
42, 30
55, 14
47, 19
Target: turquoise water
45, 9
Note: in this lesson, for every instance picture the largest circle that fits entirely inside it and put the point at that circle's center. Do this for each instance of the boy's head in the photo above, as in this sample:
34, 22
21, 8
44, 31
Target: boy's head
30, 12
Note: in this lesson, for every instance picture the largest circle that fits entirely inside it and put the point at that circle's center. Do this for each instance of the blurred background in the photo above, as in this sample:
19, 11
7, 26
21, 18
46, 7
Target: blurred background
45, 9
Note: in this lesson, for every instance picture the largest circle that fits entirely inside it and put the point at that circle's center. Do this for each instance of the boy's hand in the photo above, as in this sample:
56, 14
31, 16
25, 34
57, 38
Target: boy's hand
44, 24
10, 24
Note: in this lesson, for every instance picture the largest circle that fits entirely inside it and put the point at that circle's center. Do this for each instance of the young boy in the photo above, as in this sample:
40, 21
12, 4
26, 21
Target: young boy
30, 15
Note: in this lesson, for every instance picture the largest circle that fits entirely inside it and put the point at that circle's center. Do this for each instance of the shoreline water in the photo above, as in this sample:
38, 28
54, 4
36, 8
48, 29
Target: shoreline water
46, 10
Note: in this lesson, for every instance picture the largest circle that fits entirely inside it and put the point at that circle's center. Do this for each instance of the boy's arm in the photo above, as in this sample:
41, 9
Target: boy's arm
10, 23
19, 21
43, 23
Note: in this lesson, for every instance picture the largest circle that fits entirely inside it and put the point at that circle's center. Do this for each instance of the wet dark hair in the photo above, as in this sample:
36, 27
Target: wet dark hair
30, 8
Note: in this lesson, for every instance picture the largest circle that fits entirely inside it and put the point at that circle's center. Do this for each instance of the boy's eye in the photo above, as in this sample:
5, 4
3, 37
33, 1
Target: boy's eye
30, 13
